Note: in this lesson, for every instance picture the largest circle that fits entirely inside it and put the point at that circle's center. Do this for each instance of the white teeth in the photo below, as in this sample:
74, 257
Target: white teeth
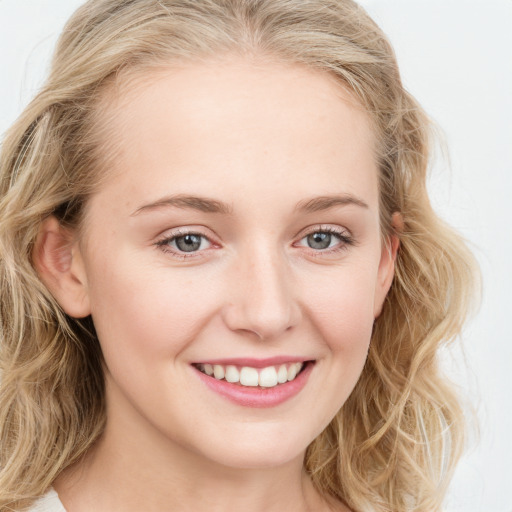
282, 374
294, 370
268, 377
248, 376
232, 374
218, 371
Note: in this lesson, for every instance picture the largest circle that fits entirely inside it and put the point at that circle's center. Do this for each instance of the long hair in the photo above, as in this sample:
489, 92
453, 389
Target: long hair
394, 444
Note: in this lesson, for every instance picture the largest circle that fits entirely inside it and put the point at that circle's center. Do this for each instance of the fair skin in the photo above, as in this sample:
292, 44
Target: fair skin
266, 276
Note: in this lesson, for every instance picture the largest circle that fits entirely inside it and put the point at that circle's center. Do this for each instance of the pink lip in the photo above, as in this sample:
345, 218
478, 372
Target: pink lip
255, 363
256, 396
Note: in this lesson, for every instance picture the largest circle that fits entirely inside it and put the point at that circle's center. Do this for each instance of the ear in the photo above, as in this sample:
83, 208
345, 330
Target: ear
58, 262
386, 270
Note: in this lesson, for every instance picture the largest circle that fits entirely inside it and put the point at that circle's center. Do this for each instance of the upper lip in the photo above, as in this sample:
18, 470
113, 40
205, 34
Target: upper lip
255, 362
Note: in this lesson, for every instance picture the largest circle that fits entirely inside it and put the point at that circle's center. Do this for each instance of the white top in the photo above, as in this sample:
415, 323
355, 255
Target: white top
48, 503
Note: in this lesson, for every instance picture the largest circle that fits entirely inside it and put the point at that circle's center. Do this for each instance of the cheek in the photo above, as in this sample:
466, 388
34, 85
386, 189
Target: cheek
342, 321
343, 311
152, 313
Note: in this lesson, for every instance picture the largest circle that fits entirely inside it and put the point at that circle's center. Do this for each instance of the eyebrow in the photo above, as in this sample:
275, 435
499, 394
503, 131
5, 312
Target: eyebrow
202, 204
208, 205
321, 203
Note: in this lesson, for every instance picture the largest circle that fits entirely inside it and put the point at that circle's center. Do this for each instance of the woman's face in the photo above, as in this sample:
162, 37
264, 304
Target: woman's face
239, 233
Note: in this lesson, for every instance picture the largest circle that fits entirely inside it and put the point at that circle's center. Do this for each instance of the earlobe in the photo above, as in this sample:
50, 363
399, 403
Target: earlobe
387, 263
58, 262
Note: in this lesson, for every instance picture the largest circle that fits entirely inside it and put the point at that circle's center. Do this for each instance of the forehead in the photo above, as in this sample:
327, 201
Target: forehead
240, 123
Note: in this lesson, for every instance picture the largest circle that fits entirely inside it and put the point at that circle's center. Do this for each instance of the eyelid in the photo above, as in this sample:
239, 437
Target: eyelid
329, 228
170, 235
325, 228
345, 236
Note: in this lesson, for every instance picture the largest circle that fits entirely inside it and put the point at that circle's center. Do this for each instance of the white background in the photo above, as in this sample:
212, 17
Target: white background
456, 58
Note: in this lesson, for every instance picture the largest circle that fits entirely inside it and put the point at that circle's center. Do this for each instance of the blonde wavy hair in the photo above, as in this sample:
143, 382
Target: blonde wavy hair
394, 444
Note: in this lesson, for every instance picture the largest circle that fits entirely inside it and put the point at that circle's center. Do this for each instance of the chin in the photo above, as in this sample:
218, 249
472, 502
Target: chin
260, 451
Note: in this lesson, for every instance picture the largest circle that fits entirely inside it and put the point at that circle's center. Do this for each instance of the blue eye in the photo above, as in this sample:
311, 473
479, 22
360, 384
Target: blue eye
188, 243
319, 240
183, 243
328, 238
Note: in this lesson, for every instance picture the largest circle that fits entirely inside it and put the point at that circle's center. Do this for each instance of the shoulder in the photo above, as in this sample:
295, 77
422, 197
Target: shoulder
48, 503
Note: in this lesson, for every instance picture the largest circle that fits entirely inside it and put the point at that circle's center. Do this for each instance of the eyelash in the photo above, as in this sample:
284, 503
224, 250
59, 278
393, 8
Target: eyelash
346, 240
163, 244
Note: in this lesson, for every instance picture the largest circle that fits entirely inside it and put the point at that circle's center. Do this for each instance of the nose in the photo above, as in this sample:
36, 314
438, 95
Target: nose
261, 298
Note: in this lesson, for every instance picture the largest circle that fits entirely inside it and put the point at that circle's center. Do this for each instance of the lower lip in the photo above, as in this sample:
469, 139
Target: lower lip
256, 396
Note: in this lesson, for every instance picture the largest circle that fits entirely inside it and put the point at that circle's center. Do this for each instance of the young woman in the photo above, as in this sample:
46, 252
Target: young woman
223, 285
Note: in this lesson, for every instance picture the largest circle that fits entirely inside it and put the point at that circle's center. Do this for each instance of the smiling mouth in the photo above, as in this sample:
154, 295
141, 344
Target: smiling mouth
247, 376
